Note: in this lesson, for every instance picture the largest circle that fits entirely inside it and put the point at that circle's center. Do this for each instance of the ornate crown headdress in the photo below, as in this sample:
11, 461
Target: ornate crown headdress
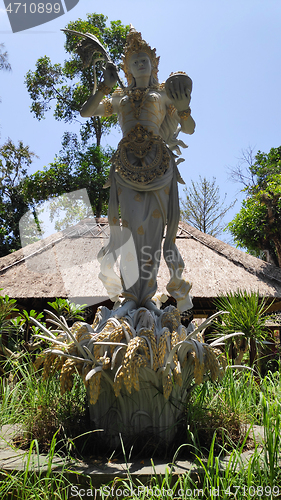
135, 44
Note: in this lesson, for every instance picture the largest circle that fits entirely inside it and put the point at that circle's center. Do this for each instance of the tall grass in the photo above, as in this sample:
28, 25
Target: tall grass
34, 483
37, 404
240, 397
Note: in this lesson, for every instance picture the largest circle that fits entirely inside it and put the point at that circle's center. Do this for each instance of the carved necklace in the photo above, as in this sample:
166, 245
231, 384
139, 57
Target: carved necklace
137, 97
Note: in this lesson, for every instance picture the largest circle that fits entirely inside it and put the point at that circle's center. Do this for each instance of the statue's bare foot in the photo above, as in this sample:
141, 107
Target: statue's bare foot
151, 306
121, 311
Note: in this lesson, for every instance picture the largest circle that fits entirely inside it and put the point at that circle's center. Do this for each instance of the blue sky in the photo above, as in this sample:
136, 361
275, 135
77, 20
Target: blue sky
230, 49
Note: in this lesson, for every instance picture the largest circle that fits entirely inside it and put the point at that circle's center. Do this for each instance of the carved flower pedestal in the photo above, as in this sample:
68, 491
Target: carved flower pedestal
138, 370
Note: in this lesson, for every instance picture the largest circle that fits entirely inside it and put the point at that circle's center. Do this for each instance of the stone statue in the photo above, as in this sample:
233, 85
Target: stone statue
144, 175
138, 363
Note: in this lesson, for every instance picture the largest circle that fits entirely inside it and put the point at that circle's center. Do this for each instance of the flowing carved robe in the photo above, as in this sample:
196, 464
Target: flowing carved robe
143, 184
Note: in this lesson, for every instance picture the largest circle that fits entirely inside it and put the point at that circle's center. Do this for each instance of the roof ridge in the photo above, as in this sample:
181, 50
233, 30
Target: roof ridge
241, 257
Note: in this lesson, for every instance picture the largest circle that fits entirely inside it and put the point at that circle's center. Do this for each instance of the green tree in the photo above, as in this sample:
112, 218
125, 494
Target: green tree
203, 208
68, 85
76, 167
257, 225
14, 162
64, 88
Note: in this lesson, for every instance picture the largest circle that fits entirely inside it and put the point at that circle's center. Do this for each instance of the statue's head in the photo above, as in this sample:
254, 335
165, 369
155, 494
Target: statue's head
137, 47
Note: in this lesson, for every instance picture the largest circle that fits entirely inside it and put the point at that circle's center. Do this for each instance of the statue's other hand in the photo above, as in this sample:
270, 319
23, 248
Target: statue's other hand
178, 90
110, 75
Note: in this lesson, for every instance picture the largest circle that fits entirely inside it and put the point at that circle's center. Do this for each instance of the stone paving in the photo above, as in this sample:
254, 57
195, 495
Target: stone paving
14, 459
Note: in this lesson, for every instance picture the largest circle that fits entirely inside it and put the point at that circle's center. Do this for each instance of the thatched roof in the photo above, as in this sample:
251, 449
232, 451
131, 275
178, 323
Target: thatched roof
65, 265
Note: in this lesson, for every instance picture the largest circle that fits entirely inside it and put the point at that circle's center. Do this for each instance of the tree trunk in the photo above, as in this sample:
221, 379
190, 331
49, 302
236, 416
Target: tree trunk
277, 244
253, 351
270, 256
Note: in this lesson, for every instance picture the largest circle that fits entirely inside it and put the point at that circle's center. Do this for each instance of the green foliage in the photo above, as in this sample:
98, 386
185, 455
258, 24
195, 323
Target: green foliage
16, 331
246, 227
219, 475
28, 326
14, 163
236, 394
266, 165
202, 207
63, 88
72, 311
257, 225
22, 330
246, 314
272, 438
76, 167
38, 404
213, 408
233, 476
7, 307
67, 86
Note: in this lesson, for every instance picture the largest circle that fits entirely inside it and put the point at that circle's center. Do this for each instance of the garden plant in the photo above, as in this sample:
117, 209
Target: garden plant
216, 424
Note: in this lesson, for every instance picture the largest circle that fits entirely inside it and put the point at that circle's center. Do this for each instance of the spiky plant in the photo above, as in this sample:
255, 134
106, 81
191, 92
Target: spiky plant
246, 314
138, 370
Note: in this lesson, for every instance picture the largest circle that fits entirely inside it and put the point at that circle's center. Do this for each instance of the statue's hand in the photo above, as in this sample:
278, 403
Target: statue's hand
110, 75
178, 89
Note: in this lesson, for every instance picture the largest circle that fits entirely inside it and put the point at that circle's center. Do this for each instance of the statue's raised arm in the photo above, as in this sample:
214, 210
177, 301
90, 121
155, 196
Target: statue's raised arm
144, 176
178, 90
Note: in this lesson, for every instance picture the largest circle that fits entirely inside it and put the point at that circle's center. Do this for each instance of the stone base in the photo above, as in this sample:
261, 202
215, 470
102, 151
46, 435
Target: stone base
149, 402
138, 369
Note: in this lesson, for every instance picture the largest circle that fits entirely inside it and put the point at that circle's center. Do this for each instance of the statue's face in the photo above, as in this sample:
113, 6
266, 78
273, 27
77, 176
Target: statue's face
140, 65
